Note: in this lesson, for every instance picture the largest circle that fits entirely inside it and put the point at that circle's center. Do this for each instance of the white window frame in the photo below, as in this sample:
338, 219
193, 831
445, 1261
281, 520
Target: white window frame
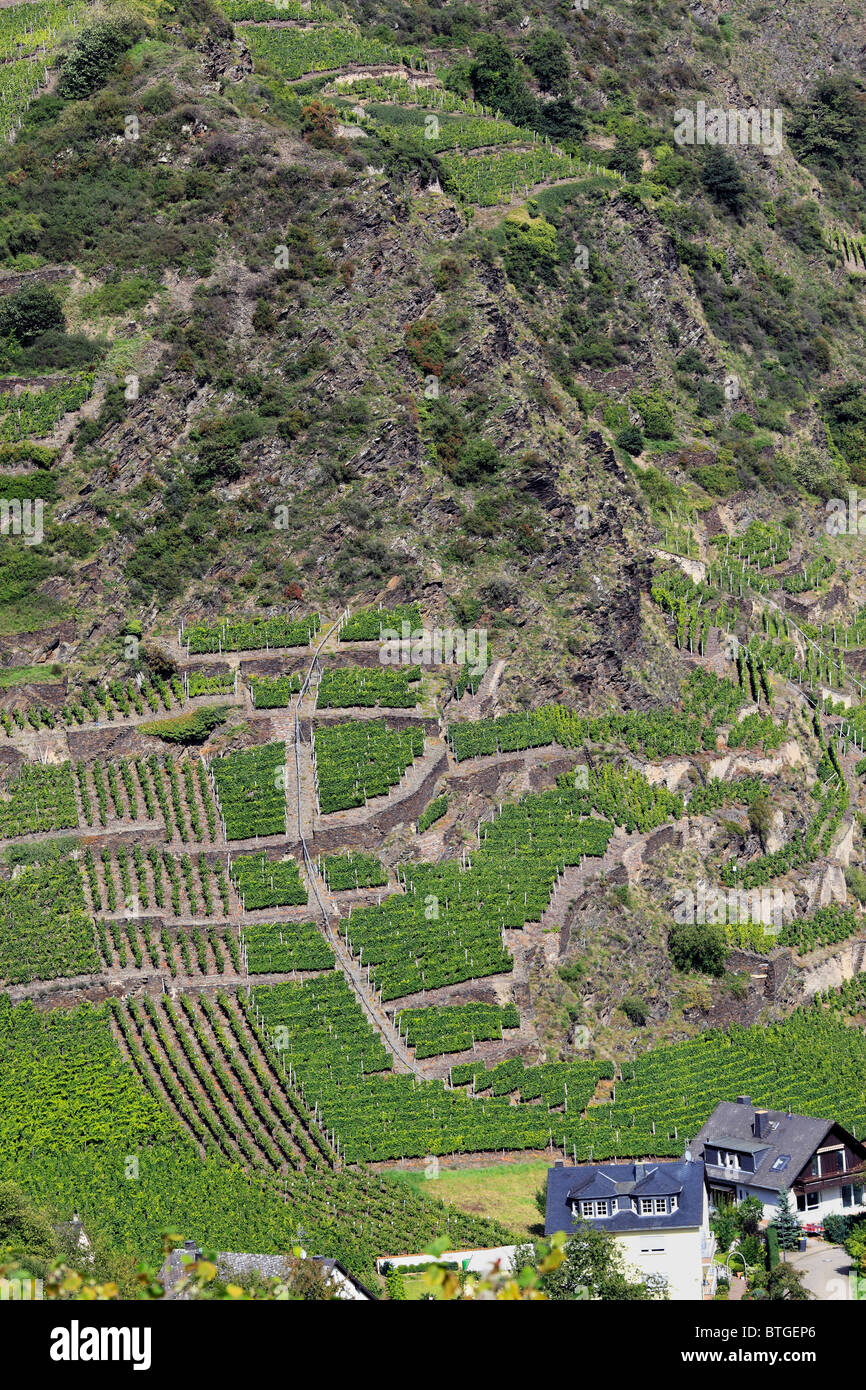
646, 1206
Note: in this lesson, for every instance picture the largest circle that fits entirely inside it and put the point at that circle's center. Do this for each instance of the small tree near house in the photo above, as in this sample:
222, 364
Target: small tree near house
787, 1224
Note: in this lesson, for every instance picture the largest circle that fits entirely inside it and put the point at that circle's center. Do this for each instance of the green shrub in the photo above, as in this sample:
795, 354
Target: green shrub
29, 312
94, 55
722, 179
530, 252
698, 946
631, 440
837, 1227
856, 881
193, 727
635, 1010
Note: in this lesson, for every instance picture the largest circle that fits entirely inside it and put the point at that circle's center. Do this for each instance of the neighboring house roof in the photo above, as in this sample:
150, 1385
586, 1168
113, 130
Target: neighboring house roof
683, 1179
236, 1265
781, 1151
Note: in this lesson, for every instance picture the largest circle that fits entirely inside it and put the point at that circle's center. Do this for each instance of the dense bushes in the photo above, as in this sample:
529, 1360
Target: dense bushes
827, 132
698, 946
31, 311
94, 56
219, 443
530, 249
721, 177
844, 409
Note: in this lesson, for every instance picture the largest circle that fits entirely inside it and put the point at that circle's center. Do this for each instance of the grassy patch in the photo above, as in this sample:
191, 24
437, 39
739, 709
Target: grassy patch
22, 675
505, 1191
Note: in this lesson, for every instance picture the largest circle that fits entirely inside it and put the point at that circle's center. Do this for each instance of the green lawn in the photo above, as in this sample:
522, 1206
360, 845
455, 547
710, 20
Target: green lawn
504, 1191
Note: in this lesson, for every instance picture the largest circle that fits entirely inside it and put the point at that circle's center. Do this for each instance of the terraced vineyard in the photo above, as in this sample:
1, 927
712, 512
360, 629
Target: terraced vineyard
263, 882
449, 924
455, 1027
279, 947
325, 49
45, 930
41, 797
118, 700
36, 412
233, 635
360, 759
342, 871
250, 789
488, 179
344, 687
341, 1066
368, 624
274, 692
81, 1090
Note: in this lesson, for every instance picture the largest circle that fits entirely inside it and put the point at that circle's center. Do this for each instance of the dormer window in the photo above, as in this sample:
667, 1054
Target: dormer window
656, 1206
601, 1208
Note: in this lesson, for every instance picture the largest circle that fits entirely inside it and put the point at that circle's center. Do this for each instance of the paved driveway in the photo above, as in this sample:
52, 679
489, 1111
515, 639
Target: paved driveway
825, 1269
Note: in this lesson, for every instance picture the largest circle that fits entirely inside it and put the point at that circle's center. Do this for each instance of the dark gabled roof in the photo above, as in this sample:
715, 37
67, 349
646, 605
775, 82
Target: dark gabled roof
606, 1180
791, 1137
663, 1181
592, 1182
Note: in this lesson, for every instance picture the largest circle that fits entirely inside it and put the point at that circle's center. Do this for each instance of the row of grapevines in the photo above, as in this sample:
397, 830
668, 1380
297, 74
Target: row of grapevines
449, 924
273, 947
342, 871
37, 412
368, 624
45, 930
251, 789
263, 882
250, 634
274, 692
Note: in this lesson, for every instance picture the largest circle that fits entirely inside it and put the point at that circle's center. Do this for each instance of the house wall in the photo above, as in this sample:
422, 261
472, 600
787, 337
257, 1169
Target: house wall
675, 1255
830, 1201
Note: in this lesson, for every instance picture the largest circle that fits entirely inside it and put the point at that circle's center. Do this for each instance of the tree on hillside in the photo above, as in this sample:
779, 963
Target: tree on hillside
33, 310
547, 59
698, 946
26, 1233
723, 181
496, 81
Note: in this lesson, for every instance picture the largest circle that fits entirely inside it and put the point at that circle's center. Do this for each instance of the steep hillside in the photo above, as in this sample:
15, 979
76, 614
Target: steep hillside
539, 330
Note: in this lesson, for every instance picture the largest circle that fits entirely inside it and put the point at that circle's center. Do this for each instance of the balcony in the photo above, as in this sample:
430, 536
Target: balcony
855, 1176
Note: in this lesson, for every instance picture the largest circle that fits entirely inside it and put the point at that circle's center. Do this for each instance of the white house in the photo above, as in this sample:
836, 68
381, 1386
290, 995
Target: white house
749, 1151
658, 1213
